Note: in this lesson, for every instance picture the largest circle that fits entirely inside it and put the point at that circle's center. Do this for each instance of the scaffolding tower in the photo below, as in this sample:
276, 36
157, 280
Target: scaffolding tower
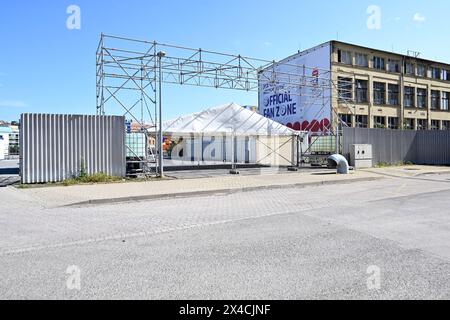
130, 73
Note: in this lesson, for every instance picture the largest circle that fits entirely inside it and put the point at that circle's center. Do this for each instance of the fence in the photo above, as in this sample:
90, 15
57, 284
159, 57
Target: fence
56, 147
431, 147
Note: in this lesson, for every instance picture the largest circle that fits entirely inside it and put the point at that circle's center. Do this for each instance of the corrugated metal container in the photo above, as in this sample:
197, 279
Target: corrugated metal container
56, 147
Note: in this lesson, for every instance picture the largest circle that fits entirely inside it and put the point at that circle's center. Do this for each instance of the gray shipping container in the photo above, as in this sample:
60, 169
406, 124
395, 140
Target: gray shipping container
56, 147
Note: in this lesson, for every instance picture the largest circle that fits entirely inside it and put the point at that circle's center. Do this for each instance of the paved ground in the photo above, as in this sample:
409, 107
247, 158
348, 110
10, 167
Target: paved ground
250, 179
285, 243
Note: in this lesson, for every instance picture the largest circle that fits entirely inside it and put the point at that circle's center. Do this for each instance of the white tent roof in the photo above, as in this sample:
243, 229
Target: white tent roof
227, 118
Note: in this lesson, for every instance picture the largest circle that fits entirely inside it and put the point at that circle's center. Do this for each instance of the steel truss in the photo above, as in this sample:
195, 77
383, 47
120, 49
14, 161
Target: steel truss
129, 71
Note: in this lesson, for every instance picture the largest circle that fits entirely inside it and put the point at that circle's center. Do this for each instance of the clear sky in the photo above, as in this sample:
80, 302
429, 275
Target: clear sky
45, 67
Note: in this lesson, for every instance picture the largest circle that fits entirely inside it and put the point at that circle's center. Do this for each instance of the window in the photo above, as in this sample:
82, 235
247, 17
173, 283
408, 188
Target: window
435, 73
379, 93
346, 120
379, 122
361, 121
345, 87
361, 91
434, 125
445, 125
409, 97
422, 98
409, 124
445, 99
394, 65
393, 123
378, 63
421, 70
345, 57
409, 68
446, 75
422, 124
435, 100
361, 60
393, 93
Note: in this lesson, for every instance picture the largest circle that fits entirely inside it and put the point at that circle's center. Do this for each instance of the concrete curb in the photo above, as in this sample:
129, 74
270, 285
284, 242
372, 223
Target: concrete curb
213, 192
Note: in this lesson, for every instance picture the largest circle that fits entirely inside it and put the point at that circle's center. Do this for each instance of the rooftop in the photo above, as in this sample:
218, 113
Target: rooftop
334, 42
390, 52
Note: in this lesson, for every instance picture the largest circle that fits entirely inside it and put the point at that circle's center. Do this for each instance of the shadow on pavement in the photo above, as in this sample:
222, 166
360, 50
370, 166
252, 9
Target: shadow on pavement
6, 181
9, 176
325, 173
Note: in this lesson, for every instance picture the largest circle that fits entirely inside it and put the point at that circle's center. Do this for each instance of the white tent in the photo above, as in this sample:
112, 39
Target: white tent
229, 118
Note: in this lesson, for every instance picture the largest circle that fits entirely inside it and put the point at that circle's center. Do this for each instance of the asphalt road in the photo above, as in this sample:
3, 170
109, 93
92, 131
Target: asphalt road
313, 243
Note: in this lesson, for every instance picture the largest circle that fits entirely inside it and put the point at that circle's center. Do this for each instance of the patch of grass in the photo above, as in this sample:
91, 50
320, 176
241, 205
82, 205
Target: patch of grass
91, 179
383, 165
397, 164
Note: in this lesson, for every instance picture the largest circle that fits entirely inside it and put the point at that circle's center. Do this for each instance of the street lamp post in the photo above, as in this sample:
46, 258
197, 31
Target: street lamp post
160, 55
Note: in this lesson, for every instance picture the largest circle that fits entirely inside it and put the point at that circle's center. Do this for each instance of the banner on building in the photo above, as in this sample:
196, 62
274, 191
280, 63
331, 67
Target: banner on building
297, 91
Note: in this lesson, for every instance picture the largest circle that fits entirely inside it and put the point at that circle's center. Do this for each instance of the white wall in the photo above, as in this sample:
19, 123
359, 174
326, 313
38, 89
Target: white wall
4, 145
269, 150
211, 148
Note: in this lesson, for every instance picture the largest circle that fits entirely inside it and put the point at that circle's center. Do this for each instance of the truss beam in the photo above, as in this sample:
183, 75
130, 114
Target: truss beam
130, 70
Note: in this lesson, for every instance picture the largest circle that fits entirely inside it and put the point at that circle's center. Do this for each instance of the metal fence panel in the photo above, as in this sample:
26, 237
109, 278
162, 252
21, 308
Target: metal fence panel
433, 147
394, 146
55, 147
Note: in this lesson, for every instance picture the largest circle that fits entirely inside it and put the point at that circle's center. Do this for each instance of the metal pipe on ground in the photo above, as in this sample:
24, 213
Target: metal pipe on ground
341, 163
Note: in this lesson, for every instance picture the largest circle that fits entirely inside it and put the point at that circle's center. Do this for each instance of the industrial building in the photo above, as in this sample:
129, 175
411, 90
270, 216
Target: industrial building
371, 89
9, 140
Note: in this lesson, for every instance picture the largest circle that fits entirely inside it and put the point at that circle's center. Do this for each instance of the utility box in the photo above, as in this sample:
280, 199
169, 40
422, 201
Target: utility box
361, 156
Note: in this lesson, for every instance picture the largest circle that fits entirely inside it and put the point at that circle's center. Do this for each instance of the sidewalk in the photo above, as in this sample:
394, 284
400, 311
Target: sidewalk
134, 191
409, 171
81, 195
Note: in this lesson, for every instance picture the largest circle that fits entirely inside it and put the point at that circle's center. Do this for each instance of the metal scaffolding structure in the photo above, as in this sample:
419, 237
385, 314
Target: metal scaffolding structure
130, 73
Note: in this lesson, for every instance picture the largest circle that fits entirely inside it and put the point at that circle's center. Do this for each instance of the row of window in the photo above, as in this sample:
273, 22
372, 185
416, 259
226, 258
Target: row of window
439, 100
393, 65
361, 121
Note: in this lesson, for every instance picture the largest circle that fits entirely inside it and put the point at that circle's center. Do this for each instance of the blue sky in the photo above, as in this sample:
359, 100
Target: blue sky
45, 67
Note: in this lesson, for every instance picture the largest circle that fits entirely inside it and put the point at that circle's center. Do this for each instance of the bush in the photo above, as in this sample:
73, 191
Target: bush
94, 178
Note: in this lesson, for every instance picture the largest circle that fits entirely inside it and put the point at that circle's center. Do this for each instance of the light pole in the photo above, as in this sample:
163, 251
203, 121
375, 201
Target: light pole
160, 55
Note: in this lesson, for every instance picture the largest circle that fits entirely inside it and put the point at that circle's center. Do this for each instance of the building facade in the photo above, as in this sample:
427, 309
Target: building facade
5, 132
9, 135
369, 88
379, 89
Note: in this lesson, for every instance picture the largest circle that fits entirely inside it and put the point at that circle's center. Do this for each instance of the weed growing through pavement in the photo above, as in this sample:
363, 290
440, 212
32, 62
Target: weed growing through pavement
93, 178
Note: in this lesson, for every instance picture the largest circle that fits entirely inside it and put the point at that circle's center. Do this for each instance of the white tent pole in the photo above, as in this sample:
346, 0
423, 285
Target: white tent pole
233, 153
